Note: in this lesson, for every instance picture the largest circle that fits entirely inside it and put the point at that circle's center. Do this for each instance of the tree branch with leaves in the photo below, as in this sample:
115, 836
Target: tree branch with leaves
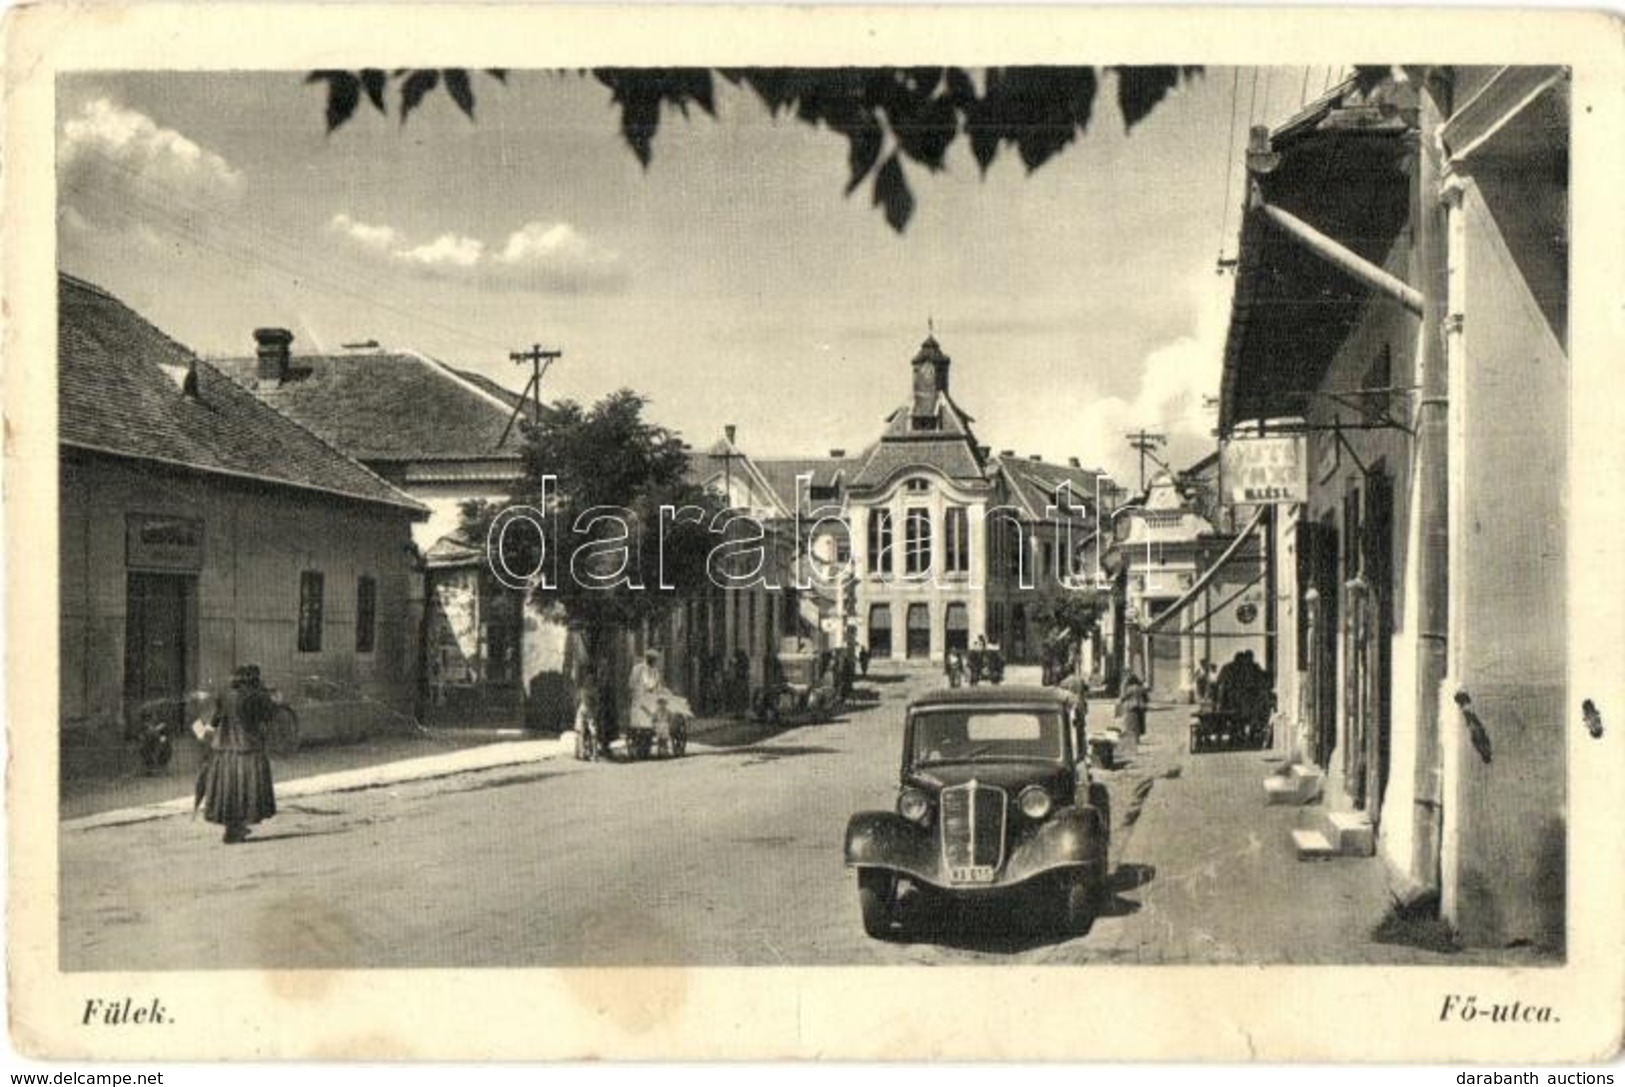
890, 118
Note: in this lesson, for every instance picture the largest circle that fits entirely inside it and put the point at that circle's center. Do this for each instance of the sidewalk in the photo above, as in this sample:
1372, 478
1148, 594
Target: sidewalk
717, 731
1208, 873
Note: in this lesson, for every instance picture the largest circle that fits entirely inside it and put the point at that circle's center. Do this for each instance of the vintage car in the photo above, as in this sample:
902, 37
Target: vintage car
993, 800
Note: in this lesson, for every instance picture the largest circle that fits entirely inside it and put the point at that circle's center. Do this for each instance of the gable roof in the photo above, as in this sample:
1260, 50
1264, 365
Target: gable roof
783, 475
1035, 483
388, 405
117, 393
493, 388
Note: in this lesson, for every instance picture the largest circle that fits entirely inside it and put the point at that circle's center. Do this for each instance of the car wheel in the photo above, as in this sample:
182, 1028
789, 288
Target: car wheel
1081, 904
877, 897
283, 734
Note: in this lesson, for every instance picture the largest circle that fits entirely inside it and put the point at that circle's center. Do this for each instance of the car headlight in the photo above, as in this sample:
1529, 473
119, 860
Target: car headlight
914, 805
1035, 802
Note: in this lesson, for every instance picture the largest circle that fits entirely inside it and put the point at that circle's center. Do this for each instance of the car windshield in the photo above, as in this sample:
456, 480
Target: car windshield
960, 735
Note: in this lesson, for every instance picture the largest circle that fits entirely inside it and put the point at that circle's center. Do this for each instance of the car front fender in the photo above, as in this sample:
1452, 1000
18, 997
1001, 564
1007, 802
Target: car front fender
883, 839
1072, 838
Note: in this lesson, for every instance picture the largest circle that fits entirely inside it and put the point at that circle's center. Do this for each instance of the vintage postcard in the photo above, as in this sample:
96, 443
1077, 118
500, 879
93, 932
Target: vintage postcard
543, 532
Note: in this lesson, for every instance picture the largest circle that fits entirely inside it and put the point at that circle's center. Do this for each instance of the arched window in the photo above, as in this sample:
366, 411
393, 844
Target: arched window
880, 541
917, 541
956, 540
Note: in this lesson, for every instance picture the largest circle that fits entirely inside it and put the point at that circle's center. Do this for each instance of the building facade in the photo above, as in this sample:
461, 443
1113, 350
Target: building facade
200, 530
1423, 657
445, 437
951, 543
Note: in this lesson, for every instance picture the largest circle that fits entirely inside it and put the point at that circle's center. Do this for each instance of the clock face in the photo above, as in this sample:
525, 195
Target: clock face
1247, 613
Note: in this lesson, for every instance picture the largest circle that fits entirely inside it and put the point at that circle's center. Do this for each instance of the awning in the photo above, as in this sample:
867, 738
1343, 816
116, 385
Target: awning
1208, 575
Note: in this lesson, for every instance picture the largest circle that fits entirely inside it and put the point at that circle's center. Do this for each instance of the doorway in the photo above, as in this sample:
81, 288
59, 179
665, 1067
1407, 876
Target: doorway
880, 630
956, 629
919, 631
157, 648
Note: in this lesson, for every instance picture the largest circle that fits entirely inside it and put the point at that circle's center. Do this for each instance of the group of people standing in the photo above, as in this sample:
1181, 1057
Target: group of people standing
980, 662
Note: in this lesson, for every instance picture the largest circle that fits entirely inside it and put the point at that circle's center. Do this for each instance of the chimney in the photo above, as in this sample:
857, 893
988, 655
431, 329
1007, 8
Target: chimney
1072, 462
273, 352
730, 430
983, 452
1036, 458
1007, 452
837, 454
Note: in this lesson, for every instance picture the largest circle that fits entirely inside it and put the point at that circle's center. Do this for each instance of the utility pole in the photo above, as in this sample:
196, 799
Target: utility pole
1145, 442
540, 359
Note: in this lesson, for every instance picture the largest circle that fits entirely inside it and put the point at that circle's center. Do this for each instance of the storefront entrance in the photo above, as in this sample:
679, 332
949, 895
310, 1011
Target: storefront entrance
156, 645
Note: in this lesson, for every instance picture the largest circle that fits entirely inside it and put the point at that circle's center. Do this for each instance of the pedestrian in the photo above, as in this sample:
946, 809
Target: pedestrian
955, 668
976, 659
1131, 705
236, 786
863, 660
1075, 686
846, 672
588, 735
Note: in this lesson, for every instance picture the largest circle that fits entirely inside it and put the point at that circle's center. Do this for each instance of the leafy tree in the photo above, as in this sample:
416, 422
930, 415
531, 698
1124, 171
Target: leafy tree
594, 539
1070, 614
888, 116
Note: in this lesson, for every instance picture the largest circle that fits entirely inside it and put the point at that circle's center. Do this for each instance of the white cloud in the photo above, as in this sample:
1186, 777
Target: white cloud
1176, 380
557, 257
117, 167
381, 238
553, 258
446, 251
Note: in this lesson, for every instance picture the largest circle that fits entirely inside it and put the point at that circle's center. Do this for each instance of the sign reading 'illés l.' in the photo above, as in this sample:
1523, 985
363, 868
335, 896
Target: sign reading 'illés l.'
1263, 471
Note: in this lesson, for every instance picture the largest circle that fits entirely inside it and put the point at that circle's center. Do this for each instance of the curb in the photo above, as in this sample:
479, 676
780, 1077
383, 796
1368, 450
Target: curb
426, 768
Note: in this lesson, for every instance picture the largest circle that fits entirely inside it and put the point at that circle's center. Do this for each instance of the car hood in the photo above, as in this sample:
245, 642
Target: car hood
1011, 776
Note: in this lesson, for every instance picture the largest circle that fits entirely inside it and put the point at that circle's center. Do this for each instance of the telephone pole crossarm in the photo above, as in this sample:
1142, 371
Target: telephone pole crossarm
540, 359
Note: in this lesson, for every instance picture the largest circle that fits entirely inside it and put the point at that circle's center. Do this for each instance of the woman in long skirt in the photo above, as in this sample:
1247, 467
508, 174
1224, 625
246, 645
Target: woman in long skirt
237, 790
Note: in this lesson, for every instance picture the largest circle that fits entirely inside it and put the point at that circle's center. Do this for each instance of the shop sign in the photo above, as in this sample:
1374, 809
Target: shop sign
158, 542
1265, 471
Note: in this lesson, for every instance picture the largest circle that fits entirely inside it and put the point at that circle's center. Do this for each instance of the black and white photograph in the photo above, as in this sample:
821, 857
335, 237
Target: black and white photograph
1035, 518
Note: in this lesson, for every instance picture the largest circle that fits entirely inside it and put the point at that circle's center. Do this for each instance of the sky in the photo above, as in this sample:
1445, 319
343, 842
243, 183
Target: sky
732, 282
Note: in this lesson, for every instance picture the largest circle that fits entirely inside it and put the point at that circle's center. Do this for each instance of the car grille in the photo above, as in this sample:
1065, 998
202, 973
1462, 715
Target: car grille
972, 823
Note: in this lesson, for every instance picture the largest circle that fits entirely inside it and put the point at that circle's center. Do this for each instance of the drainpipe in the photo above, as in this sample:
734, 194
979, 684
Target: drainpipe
1431, 420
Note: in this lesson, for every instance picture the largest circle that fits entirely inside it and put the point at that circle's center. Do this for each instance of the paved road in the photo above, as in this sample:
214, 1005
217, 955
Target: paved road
731, 856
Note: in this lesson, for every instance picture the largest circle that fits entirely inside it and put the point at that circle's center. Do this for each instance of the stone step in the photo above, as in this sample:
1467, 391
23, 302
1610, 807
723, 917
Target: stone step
1312, 845
1299, 785
1351, 833
1282, 790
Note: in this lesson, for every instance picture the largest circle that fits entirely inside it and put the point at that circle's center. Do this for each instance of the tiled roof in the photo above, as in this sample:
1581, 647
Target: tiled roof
951, 420
501, 392
388, 405
952, 457
782, 475
1035, 482
116, 395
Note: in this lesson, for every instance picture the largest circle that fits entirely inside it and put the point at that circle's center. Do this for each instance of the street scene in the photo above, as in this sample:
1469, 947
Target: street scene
594, 869
796, 517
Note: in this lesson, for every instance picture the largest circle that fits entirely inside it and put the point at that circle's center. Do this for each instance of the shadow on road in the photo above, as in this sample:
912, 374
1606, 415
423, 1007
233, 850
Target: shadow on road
1009, 925
757, 756
257, 839
1126, 878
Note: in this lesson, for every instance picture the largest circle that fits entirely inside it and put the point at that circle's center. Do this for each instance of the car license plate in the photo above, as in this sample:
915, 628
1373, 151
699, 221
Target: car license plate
973, 873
